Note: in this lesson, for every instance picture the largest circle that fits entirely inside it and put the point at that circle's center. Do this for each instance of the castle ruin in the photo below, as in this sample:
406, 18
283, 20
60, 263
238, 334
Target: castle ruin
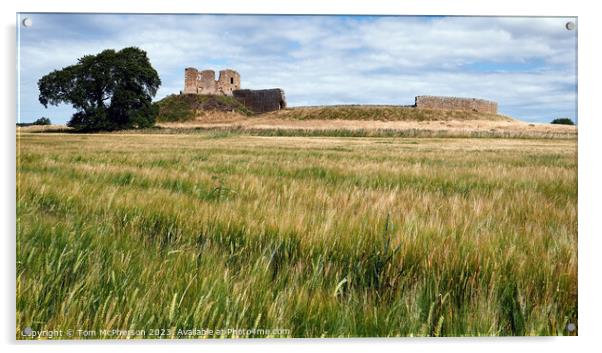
267, 100
228, 84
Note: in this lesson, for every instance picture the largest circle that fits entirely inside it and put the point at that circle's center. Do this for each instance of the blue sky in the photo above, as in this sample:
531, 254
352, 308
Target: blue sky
526, 64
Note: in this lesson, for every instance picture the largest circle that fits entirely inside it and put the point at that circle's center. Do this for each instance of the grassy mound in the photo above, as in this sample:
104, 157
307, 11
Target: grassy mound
380, 112
184, 107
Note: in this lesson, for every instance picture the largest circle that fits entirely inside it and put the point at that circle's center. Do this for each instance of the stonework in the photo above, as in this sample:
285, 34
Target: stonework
203, 82
456, 103
229, 80
228, 84
261, 100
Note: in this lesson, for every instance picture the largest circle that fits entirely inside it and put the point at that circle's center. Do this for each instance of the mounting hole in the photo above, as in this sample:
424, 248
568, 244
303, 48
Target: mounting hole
570, 25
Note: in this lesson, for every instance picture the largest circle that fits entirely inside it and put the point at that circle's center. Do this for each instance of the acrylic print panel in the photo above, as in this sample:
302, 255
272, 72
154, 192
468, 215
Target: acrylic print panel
245, 176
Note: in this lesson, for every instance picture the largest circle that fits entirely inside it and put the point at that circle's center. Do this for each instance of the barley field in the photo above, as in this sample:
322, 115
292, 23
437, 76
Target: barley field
157, 235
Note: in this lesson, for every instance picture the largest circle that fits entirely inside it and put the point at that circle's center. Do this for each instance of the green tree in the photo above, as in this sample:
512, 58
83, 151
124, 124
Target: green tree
111, 90
563, 121
42, 121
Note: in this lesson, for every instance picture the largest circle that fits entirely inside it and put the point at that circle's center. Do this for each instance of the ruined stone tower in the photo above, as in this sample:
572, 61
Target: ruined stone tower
203, 82
228, 81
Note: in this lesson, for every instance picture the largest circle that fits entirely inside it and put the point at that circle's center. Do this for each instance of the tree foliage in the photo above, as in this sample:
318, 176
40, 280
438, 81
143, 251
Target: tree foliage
563, 121
42, 121
111, 90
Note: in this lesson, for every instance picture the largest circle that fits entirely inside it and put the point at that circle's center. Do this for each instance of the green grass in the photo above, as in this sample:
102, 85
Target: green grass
186, 107
381, 113
231, 131
322, 236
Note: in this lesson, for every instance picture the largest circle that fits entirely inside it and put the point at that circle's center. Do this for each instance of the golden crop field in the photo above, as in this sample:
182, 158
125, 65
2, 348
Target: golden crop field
303, 236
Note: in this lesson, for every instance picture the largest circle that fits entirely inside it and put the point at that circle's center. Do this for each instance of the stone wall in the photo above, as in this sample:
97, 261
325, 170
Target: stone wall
190, 80
206, 82
261, 100
456, 103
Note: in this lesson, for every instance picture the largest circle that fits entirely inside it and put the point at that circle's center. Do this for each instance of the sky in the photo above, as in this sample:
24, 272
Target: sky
526, 64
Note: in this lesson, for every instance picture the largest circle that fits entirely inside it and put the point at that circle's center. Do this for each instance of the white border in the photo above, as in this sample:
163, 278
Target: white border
589, 169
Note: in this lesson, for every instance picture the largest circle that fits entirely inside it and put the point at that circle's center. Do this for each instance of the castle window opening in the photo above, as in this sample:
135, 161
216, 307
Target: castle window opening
231, 80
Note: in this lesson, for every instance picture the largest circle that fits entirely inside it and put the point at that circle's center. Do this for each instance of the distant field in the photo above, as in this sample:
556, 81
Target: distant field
186, 114
321, 236
274, 126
